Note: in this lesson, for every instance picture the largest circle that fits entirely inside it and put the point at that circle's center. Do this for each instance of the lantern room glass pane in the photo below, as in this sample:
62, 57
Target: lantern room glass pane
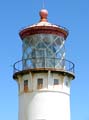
43, 50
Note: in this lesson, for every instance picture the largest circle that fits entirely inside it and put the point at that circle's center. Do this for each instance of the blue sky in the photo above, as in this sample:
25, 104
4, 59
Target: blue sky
72, 14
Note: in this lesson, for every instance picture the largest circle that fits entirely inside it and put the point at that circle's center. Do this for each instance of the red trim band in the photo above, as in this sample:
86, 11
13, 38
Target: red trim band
43, 30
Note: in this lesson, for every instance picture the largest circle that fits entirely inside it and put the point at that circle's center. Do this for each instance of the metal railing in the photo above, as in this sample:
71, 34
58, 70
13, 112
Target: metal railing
43, 62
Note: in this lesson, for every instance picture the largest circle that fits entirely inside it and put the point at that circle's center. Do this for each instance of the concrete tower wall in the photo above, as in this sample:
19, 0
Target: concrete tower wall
41, 104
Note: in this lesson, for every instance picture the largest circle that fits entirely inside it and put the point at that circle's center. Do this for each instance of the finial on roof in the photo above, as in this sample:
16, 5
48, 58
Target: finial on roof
43, 15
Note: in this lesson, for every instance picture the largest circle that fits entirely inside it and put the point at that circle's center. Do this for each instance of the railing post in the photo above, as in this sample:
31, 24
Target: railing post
45, 61
54, 62
14, 68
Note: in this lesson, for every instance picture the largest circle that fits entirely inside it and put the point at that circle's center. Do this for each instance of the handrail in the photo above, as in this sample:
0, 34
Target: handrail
43, 62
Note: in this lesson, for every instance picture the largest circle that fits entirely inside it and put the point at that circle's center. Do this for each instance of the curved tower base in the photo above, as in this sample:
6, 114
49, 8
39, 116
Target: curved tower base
44, 105
48, 99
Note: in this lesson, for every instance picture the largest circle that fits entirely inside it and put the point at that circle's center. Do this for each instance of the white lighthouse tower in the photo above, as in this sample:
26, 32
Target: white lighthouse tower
44, 75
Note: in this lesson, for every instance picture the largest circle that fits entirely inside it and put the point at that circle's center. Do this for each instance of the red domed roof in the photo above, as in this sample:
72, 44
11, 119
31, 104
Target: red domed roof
43, 26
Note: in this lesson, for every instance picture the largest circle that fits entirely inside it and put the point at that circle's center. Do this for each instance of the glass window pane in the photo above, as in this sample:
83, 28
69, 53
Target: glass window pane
25, 85
56, 82
40, 84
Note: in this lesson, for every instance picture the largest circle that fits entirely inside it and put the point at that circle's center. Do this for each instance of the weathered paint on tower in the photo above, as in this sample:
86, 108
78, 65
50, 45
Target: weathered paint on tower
44, 74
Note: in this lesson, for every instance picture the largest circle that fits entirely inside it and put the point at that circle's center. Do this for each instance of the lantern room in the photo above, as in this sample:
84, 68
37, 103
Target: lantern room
43, 46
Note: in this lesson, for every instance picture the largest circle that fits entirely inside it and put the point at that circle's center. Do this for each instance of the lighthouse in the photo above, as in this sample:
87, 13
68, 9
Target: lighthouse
44, 74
